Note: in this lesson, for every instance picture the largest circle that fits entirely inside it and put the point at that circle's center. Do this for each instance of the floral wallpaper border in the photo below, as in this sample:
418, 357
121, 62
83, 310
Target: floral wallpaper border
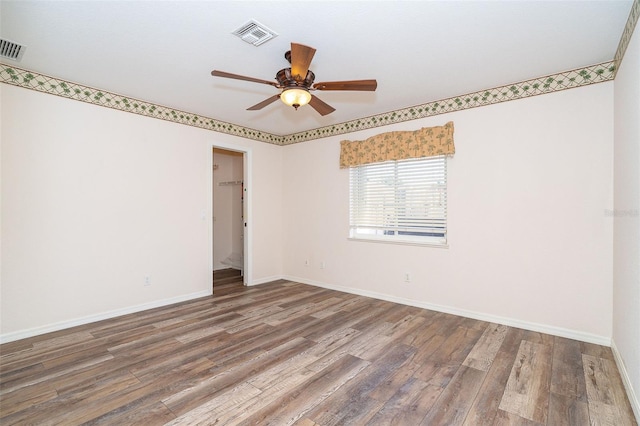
538, 86
629, 27
53, 86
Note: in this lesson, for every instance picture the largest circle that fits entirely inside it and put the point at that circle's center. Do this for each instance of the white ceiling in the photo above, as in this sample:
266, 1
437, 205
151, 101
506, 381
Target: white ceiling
419, 51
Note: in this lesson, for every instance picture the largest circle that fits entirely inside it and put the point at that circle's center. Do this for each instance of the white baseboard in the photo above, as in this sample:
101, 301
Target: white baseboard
265, 280
225, 267
23, 334
633, 397
541, 328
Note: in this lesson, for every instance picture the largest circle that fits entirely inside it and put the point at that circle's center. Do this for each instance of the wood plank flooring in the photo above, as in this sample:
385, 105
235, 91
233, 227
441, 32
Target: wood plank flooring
286, 353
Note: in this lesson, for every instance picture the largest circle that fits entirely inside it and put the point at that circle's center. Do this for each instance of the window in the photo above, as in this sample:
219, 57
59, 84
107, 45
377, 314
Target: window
399, 201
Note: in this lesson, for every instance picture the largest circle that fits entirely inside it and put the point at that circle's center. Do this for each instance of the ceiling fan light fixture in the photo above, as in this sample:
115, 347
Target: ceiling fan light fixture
295, 97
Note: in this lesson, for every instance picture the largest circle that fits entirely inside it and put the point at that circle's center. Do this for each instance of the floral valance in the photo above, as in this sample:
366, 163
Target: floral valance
399, 145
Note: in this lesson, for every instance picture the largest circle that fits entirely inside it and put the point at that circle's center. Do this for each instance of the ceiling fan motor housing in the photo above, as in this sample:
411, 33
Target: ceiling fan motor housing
286, 80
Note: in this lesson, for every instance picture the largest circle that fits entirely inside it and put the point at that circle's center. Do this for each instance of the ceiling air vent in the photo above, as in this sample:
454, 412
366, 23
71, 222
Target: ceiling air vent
253, 32
11, 50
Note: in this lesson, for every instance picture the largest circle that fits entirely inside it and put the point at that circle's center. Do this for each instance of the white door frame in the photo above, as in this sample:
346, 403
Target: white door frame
246, 206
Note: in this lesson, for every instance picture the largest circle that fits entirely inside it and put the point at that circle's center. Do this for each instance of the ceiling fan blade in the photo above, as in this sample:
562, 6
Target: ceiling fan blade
364, 85
217, 73
320, 106
264, 103
301, 57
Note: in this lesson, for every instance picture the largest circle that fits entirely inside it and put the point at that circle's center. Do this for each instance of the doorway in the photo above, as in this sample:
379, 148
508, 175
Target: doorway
229, 213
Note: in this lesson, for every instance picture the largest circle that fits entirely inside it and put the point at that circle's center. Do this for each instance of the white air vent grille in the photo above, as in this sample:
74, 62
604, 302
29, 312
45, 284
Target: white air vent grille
11, 50
253, 32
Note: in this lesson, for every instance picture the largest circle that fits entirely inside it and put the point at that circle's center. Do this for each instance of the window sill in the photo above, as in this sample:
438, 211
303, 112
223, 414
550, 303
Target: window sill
399, 242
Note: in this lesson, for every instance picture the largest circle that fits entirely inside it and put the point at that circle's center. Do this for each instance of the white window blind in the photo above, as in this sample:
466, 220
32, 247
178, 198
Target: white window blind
404, 201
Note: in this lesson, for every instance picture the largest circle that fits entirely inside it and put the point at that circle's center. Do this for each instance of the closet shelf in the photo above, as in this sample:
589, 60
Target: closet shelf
230, 183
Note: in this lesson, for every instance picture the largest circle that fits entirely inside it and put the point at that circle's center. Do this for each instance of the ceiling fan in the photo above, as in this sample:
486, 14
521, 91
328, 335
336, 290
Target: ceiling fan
297, 82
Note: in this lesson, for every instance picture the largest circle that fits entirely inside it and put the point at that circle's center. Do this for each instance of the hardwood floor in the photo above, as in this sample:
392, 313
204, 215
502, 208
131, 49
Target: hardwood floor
287, 353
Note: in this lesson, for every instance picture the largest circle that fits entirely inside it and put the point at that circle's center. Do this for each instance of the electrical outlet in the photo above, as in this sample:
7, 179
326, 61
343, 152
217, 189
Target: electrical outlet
322, 265
147, 280
306, 262
407, 277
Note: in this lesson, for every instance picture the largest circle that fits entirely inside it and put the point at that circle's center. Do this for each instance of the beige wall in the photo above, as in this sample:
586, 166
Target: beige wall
94, 200
528, 239
626, 220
